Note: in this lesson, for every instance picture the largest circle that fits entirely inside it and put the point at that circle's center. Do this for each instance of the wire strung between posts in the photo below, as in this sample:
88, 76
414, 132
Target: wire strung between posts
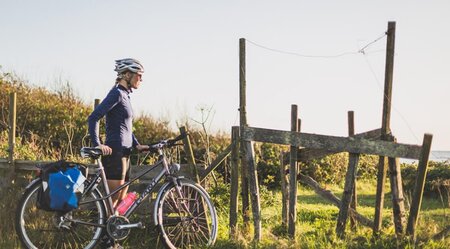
395, 109
362, 50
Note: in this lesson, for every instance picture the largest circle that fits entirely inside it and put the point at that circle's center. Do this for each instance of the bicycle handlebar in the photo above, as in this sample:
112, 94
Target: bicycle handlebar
94, 152
168, 143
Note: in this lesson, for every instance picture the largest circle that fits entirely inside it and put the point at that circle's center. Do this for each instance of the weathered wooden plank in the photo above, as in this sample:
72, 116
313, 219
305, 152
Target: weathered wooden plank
234, 188
442, 234
254, 189
419, 186
12, 127
326, 194
379, 201
398, 205
135, 169
385, 124
243, 123
284, 192
292, 216
220, 158
354, 201
347, 195
350, 185
4, 163
308, 154
22, 164
331, 143
190, 154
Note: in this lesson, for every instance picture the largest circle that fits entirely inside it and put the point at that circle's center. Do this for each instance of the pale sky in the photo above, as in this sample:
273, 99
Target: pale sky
190, 53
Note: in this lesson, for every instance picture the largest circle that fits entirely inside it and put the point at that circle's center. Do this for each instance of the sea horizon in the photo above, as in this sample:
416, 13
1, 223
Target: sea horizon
435, 155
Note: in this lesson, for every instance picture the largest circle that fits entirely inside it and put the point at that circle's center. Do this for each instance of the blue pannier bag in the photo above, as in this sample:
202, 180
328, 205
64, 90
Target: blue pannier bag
62, 182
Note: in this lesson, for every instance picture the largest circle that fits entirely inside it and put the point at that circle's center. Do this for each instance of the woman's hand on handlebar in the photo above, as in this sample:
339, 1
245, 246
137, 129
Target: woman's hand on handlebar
141, 147
106, 150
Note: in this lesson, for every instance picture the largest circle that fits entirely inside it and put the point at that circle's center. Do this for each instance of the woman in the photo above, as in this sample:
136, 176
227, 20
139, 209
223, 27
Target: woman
119, 136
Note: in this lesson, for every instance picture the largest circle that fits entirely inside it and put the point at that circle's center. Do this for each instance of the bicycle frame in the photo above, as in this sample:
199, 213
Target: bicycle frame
101, 176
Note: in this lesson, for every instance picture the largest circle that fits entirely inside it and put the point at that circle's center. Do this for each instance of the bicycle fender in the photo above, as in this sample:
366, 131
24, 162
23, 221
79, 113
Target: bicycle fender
32, 183
158, 201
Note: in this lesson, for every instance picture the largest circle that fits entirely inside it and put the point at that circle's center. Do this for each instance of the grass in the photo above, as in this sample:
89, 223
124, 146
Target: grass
315, 227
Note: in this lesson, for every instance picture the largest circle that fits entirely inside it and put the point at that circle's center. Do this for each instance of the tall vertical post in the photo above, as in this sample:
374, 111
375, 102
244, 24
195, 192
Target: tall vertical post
248, 162
354, 202
292, 217
385, 124
12, 128
242, 123
234, 181
190, 154
419, 186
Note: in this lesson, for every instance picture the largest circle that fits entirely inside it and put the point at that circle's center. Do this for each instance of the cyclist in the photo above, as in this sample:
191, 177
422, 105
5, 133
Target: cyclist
119, 136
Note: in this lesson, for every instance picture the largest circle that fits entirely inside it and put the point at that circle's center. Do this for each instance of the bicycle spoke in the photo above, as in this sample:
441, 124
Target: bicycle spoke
188, 217
43, 229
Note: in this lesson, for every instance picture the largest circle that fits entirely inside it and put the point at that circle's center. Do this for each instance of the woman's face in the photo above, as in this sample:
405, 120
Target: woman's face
136, 80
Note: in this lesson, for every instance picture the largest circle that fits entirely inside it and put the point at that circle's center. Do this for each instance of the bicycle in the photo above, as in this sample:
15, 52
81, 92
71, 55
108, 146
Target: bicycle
183, 211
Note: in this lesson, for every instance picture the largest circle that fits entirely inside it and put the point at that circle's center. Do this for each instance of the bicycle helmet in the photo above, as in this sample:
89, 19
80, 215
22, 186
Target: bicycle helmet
129, 64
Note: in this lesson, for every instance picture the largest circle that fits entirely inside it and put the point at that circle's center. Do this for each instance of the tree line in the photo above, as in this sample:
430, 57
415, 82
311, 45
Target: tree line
52, 124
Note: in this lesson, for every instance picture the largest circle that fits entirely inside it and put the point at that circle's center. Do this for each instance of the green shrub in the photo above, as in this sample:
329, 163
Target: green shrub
437, 181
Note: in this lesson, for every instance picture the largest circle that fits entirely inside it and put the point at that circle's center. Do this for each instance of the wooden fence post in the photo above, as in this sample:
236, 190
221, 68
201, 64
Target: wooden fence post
243, 123
349, 186
284, 192
12, 128
379, 202
419, 186
292, 217
247, 149
254, 189
234, 181
96, 102
190, 154
385, 124
398, 205
354, 202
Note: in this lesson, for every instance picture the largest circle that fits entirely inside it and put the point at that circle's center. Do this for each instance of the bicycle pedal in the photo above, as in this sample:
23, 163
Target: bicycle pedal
140, 225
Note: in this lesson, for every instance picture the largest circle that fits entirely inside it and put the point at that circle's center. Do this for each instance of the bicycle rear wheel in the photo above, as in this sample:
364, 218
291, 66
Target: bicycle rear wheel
188, 220
41, 229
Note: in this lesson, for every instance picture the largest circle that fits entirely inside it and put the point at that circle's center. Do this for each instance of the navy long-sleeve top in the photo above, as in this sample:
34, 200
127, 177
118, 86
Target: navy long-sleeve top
119, 117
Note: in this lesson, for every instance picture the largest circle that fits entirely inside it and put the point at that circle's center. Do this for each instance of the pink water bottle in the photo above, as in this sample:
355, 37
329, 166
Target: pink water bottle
126, 203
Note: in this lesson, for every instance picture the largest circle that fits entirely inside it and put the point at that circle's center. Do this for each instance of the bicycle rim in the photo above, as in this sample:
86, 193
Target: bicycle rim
42, 229
188, 221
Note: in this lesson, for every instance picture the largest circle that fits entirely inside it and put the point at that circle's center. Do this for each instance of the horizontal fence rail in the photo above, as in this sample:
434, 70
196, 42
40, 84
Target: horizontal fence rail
135, 169
308, 154
332, 143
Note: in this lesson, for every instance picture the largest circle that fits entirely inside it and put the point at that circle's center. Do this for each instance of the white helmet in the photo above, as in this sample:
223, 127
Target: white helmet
129, 64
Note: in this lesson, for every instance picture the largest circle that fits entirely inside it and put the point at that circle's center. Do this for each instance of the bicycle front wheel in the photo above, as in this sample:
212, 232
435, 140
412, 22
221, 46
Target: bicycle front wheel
186, 216
79, 228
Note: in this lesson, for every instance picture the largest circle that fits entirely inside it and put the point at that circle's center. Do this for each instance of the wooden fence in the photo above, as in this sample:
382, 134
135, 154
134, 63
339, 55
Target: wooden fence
306, 146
